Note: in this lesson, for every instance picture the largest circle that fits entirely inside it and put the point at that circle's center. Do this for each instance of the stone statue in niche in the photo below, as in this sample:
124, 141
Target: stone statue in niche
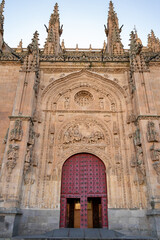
28, 160
155, 153
113, 107
152, 135
12, 156
101, 103
17, 132
31, 139
66, 103
137, 137
138, 163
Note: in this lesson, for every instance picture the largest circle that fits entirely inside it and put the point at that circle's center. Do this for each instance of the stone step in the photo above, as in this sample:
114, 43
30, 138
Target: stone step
82, 234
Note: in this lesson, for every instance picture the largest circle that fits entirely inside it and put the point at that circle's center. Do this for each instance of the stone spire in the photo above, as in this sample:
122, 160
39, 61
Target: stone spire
114, 44
153, 42
52, 45
1, 23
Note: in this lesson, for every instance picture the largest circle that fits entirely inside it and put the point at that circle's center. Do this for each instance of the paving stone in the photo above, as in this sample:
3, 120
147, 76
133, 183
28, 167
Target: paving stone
63, 232
92, 234
77, 233
109, 234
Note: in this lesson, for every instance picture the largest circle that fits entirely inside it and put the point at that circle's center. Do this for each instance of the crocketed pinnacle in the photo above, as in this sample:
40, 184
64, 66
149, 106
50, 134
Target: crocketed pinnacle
114, 45
1, 15
52, 45
153, 42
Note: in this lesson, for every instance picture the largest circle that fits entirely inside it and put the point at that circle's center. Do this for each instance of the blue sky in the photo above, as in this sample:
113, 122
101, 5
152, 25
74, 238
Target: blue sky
83, 20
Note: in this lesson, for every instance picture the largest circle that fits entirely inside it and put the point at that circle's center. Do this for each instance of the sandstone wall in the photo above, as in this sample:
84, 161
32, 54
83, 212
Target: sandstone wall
9, 74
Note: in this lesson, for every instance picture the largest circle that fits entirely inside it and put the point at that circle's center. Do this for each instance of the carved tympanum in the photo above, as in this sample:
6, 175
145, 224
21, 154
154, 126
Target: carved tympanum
83, 98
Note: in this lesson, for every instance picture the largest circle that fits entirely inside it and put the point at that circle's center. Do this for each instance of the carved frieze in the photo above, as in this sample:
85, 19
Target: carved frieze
17, 132
12, 156
152, 135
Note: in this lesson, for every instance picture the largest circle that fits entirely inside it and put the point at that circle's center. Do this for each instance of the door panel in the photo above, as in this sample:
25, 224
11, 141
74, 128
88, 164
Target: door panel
83, 177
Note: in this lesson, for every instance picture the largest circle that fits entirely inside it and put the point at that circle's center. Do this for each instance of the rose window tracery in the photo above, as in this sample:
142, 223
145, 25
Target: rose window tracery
83, 98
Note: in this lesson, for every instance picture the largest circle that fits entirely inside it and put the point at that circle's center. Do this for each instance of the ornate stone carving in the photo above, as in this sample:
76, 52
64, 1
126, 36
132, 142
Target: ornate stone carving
28, 159
115, 128
139, 165
83, 133
156, 167
101, 102
31, 61
29, 181
137, 137
83, 98
67, 103
152, 135
155, 153
12, 156
131, 118
17, 132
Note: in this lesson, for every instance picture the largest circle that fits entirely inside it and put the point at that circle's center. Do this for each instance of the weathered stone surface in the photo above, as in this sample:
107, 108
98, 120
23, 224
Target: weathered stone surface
56, 102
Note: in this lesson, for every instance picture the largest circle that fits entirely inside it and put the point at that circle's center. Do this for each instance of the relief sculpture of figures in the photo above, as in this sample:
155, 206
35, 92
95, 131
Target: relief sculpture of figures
76, 134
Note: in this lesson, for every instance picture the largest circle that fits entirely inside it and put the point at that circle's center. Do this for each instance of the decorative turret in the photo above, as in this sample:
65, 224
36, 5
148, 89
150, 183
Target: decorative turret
153, 42
1, 23
114, 44
52, 45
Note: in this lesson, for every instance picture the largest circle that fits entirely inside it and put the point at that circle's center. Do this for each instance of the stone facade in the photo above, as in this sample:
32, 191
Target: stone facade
57, 102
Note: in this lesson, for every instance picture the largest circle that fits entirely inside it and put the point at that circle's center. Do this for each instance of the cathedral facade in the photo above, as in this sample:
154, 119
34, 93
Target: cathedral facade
80, 134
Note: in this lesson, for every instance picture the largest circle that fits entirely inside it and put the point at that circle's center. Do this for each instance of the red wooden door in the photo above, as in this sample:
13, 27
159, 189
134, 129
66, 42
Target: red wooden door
83, 177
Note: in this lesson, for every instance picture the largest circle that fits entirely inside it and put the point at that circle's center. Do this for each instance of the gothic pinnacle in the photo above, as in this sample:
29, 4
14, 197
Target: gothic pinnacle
54, 30
114, 45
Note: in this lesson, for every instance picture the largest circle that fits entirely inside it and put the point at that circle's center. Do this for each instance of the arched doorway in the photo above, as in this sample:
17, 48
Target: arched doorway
83, 193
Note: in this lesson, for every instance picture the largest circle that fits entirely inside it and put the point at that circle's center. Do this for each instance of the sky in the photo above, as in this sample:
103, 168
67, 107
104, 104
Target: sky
83, 20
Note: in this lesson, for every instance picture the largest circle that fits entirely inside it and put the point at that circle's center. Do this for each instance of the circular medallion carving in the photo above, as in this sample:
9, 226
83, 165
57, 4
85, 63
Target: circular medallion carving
83, 98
